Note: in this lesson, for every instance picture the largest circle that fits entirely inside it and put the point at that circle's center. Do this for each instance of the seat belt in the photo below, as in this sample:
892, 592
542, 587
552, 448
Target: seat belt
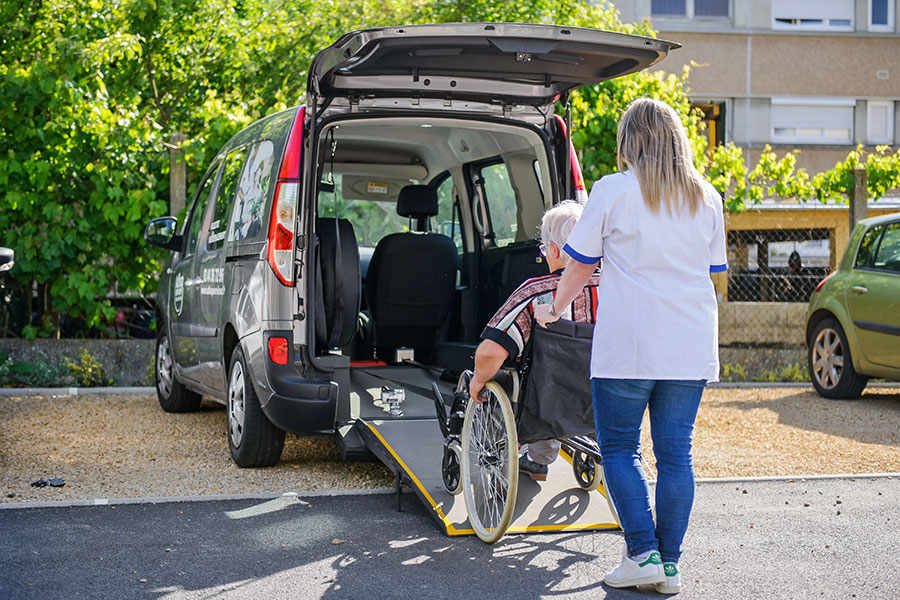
338, 299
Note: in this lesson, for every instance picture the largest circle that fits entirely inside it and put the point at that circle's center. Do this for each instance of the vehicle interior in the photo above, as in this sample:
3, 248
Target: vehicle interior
437, 223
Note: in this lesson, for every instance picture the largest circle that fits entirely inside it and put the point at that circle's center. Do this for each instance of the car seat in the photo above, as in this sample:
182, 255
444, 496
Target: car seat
411, 278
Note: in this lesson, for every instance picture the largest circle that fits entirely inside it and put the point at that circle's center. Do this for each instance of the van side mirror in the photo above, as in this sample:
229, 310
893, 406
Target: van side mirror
161, 232
6, 259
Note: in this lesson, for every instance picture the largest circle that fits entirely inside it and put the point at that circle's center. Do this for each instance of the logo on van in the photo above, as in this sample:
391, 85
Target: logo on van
178, 297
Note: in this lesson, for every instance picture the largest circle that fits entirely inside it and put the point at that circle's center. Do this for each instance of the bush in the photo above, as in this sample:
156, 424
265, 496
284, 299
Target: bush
89, 372
41, 373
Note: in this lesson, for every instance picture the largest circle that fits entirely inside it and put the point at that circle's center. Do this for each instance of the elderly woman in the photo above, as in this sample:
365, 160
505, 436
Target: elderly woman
659, 227
509, 330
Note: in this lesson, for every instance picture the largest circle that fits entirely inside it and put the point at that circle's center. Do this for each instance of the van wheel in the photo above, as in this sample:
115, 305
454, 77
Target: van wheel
830, 364
173, 396
253, 439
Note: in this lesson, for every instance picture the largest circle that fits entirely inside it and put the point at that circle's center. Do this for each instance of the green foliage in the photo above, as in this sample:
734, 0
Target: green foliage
779, 178
794, 373
41, 373
88, 372
91, 92
731, 372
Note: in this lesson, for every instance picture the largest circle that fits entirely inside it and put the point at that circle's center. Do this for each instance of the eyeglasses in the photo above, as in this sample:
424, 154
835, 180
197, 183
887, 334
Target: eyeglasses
543, 250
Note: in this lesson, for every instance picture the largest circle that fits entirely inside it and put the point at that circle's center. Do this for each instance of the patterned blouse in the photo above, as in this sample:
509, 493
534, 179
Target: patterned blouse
511, 325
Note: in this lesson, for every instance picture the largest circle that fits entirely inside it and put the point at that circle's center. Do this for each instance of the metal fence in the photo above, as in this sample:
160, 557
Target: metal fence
772, 274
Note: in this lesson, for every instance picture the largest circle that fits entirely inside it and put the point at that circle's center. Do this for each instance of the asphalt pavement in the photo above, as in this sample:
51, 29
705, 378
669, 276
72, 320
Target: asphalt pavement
833, 538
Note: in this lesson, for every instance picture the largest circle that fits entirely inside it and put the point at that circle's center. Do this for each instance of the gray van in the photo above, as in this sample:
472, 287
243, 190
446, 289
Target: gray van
381, 224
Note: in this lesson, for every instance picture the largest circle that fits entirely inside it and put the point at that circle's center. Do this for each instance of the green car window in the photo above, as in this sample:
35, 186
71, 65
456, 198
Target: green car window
887, 257
867, 248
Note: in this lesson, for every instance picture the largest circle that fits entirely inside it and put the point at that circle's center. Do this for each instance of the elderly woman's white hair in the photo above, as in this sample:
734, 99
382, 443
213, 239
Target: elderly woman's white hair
558, 222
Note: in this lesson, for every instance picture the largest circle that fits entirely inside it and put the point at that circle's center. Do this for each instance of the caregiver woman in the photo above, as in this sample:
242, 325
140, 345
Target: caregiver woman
659, 229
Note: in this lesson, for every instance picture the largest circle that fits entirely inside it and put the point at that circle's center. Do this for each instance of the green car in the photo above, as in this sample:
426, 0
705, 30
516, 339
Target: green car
853, 323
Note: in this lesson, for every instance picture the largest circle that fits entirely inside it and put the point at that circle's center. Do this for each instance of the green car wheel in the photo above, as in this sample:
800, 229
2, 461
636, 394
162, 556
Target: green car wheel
830, 364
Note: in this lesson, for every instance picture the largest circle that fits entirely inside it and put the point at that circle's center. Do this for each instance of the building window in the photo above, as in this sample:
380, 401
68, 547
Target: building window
812, 120
830, 15
880, 122
689, 8
881, 15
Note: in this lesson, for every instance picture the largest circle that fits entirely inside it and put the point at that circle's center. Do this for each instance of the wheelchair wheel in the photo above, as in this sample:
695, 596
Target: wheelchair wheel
490, 466
585, 470
450, 467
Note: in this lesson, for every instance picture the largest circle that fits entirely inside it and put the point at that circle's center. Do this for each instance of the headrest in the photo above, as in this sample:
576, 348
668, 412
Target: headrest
417, 202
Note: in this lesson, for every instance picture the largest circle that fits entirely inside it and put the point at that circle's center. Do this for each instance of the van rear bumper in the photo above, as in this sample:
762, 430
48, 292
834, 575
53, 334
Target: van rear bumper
304, 412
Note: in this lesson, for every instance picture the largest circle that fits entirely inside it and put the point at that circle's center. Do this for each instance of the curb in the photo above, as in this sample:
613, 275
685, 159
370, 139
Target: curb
199, 498
76, 391
742, 385
386, 491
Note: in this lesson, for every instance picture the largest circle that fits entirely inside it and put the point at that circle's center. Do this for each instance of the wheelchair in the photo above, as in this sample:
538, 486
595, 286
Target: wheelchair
481, 439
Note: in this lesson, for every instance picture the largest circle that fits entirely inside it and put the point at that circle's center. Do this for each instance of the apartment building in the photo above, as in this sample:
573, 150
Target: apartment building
818, 76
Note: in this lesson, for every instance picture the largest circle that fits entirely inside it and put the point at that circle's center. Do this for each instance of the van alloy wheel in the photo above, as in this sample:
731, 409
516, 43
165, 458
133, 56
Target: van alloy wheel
252, 438
173, 396
164, 367
236, 412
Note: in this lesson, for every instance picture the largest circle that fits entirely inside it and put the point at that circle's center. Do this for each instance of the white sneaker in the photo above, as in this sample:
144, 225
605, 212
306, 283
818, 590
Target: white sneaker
631, 572
672, 584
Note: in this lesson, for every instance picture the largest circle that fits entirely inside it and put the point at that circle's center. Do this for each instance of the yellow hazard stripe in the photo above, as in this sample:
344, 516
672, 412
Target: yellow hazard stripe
452, 530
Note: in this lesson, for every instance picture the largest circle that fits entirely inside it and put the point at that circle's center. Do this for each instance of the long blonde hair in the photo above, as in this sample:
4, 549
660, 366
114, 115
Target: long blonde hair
652, 141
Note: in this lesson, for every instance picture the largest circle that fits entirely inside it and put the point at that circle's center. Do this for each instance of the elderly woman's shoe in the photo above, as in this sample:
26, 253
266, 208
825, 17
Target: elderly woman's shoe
643, 569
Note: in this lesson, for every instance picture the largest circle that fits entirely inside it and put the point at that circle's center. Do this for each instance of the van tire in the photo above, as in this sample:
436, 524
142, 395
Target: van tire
173, 396
253, 439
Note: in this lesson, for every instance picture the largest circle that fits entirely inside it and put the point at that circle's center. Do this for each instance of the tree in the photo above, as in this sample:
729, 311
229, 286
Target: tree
90, 93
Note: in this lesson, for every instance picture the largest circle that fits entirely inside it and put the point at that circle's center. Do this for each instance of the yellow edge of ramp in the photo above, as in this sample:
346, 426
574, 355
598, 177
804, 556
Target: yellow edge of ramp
451, 529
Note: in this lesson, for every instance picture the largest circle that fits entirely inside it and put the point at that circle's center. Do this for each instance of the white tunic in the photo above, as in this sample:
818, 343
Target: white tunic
657, 316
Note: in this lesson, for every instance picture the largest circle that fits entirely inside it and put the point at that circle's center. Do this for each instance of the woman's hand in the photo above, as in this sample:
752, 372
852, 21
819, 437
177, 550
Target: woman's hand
542, 315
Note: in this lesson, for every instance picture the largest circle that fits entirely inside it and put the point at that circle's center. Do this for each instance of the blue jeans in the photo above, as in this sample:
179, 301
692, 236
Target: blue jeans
619, 406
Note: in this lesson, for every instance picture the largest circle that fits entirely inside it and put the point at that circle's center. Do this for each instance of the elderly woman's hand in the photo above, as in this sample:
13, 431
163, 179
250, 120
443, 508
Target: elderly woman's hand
542, 315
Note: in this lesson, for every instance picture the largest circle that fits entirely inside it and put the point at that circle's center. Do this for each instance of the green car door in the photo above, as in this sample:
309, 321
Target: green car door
873, 295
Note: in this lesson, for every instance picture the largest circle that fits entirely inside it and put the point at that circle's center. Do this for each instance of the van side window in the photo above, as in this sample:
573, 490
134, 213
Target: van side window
888, 257
501, 201
252, 191
218, 221
196, 219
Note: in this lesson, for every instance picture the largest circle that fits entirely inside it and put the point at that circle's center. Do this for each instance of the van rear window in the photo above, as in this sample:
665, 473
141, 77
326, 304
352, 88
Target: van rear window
252, 191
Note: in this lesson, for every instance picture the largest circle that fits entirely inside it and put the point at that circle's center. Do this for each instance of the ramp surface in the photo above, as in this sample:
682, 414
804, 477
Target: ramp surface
412, 445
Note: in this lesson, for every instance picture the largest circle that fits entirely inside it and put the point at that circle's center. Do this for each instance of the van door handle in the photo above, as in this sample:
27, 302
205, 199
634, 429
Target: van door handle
859, 289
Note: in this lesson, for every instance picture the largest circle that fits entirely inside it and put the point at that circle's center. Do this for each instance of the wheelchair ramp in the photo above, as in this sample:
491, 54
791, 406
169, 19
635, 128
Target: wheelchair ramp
412, 446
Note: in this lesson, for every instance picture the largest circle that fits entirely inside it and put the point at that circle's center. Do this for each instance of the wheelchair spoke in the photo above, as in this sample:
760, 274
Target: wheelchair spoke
489, 450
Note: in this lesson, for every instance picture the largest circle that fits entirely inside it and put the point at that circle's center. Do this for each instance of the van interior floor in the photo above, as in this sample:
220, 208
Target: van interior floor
411, 445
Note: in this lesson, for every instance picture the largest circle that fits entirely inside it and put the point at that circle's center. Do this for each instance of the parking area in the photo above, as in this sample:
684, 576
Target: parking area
125, 446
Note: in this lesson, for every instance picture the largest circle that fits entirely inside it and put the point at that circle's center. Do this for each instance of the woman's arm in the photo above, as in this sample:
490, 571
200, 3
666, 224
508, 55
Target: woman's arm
573, 280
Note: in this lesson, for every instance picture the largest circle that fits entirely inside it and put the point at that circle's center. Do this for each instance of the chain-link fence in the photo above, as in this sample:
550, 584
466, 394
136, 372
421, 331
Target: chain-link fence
772, 273
780, 265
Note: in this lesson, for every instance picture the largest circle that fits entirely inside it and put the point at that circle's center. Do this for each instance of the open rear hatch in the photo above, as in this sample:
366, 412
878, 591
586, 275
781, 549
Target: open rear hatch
485, 62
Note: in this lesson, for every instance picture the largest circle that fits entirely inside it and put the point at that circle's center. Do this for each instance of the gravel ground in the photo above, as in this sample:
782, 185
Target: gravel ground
126, 446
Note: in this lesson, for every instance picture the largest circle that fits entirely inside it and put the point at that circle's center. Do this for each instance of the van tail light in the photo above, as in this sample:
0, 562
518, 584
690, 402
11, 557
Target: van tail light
281, 231
821, 283
580, 191
283, 220
278, 350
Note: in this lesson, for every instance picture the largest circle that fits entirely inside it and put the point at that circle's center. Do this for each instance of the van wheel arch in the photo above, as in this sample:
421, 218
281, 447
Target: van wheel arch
229, 343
